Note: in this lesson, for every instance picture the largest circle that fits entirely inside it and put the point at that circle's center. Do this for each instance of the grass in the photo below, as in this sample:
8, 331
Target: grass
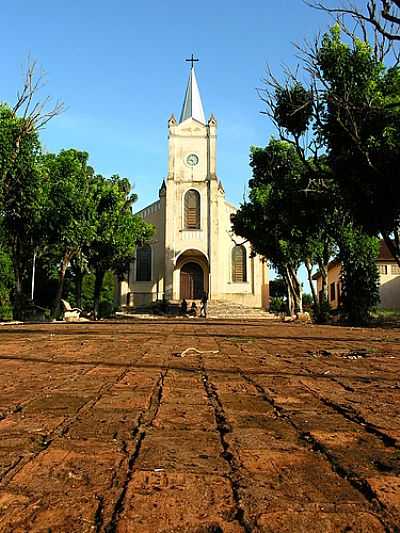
386, 316
387, 313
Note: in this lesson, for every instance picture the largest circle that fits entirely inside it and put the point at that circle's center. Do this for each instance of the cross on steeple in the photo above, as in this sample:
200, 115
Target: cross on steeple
192, 60
192, 106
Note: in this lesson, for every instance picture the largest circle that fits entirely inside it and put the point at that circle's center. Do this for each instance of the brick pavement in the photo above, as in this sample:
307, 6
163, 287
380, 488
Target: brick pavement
103, 427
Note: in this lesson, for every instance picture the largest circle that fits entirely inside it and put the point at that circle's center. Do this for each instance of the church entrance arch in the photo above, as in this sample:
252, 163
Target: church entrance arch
191, 274
192, 281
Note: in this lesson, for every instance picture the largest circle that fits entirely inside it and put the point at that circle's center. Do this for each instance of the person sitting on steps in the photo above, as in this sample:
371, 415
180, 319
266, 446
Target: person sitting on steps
164, 305
193, 309
184, 307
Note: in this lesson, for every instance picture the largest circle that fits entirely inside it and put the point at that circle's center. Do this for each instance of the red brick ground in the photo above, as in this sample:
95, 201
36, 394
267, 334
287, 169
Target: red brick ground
287, 428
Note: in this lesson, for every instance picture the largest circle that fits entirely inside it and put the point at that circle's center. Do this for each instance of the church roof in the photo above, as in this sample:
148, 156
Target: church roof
192, 106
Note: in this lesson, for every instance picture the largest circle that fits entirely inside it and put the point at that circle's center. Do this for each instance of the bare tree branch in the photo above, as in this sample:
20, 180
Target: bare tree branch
384, 19
36, 113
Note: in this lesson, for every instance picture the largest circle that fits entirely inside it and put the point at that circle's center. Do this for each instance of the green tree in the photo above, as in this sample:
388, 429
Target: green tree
359, 275
6, 281
360, 125
23, 196
79, 268
262, 219
252, 222
282, 218
71, 209
277, 288
22, 187
118, 230
349, 114
316, 208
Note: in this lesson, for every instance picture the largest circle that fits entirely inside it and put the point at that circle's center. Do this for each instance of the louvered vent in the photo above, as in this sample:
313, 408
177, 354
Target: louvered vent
192, 209
239, 274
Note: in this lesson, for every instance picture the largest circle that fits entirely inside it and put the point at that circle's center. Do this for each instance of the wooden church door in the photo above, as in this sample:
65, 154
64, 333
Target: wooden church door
192, 281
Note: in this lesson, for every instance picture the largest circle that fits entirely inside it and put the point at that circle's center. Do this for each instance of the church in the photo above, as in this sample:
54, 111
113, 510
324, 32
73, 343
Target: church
194, 249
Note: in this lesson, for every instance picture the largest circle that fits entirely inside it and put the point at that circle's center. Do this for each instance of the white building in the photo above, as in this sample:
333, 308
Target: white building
193, 249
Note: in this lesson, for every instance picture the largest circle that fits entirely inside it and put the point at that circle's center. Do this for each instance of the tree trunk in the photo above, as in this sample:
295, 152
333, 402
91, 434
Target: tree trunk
33, 275
296, 288
78, 288
19, 299
289, 294
321, 307
289, 291
98, 284
308, 266
291, 305
63, 269
18, 303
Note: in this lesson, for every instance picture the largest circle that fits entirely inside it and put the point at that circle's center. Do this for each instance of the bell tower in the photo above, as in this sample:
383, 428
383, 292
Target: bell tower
192, 140
194, 250
191, 172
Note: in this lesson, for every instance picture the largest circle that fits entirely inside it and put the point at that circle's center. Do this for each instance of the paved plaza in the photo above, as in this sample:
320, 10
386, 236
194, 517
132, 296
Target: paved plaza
199, 426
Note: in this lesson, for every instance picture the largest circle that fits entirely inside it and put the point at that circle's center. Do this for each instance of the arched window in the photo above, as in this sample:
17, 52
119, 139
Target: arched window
239, 274
143, 263
192, 209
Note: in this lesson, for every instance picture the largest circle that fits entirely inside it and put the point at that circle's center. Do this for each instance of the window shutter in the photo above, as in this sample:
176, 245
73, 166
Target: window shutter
239, 274
192, 209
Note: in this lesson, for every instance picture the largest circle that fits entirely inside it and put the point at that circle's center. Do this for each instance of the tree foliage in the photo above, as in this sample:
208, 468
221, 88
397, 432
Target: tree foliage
22, 196
335, 189
359, 274
70, 211
361, 128
55, 213
293, 109
6, 282
118, 231
283, 220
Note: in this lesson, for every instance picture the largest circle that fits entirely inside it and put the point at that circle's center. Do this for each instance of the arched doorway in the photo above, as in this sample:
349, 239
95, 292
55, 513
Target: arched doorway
192, 281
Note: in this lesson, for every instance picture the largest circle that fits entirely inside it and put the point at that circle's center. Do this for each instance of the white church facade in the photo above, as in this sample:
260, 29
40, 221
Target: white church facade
194, 249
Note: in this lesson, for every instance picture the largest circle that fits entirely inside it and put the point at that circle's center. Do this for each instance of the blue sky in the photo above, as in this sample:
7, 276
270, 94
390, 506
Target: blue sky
119, 67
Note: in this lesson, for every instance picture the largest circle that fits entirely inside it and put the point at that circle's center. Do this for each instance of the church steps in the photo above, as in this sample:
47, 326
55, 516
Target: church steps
216, 310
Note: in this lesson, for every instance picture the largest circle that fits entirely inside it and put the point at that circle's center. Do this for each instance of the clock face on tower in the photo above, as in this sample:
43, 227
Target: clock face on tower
192, 160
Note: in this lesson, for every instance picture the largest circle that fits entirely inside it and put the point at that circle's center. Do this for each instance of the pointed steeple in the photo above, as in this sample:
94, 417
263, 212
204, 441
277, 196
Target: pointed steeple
192, 106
